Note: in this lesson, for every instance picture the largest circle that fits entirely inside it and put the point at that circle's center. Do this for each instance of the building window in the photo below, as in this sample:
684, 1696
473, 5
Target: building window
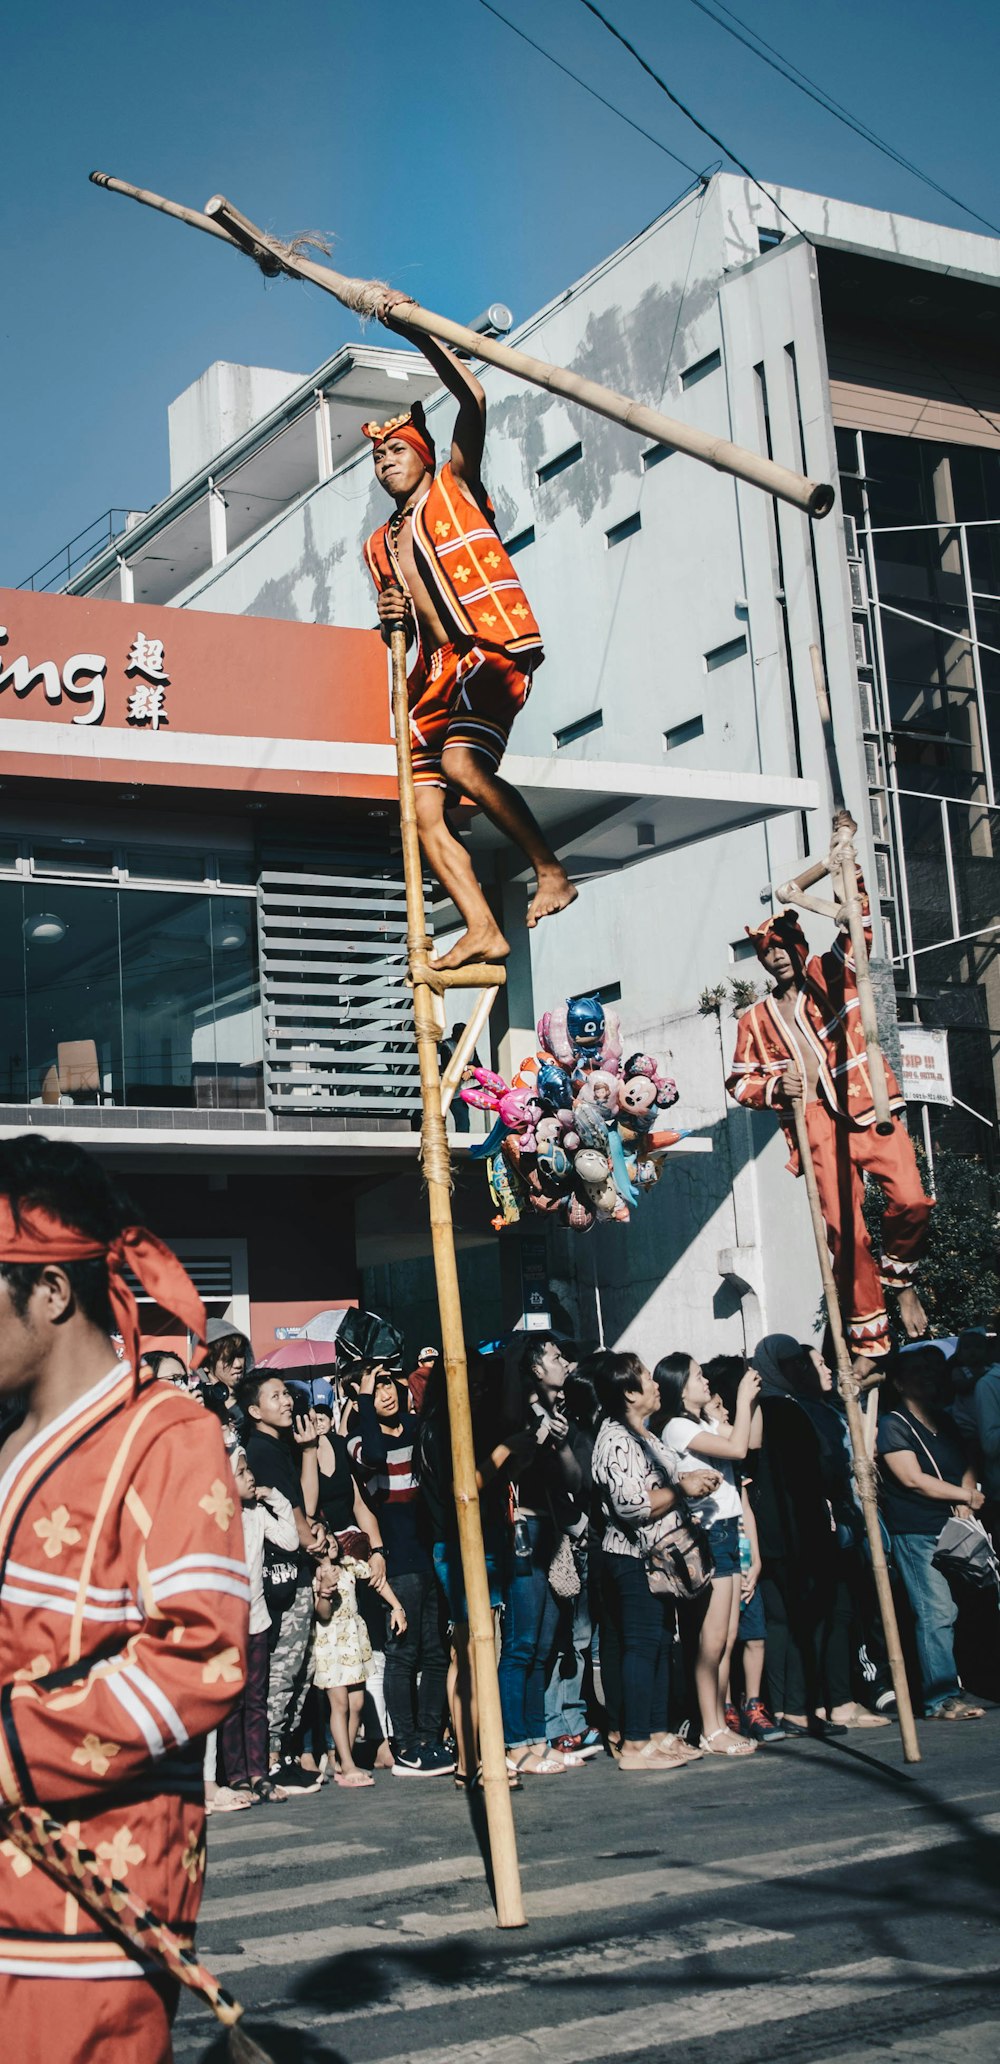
620, 531
683, 734
721, 655
608, 992
559, 464
701, 369
742, 949
133, 997
520, 543
769, 239
569, 733
655, 453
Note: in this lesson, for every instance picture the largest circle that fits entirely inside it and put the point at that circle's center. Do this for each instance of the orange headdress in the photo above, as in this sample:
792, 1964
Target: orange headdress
784, 930
34, 1236
411, 427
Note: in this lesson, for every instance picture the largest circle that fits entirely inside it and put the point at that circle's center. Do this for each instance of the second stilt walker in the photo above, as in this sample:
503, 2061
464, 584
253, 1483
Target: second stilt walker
442, 572
805, 1040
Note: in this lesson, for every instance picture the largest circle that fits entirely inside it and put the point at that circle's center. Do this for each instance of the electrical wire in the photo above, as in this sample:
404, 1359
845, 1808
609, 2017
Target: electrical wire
686, 111
777, 62
592, 90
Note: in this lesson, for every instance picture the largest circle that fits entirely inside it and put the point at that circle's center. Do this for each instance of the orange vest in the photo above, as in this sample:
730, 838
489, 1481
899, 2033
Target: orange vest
467, 570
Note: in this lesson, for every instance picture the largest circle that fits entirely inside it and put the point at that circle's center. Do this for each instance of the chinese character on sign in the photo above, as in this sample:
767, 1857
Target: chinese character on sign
146, 705
146, 658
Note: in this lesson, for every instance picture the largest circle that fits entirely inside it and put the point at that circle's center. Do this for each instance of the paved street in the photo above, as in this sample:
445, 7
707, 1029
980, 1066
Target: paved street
822, 1903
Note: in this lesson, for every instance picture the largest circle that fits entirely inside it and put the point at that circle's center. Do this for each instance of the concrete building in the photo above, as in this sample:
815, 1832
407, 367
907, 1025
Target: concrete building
672, 743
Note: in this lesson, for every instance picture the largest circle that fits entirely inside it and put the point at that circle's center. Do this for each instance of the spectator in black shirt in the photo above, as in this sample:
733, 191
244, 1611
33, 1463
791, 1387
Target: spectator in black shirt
926, 1475
383, 1442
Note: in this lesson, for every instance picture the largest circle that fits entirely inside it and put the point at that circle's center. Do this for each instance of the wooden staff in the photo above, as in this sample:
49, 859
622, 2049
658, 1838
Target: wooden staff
864, 1469
59, 1852
437, 1173
844, 863
371, 297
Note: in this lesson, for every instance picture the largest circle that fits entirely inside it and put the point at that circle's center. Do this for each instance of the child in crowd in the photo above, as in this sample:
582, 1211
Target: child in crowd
267, 1516
342, 1651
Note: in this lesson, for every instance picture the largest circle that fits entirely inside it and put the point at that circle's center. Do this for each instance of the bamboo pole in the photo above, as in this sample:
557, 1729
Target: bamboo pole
370, 297
844, 859
437, 1173
465, 1049
864, 1472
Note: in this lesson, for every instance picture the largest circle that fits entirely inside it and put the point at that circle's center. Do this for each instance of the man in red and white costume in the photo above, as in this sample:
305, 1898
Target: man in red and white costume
442, 572
805, 1039
123, 1607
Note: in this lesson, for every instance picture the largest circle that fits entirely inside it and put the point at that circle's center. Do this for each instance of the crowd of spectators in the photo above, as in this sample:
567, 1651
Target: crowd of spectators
593, 1472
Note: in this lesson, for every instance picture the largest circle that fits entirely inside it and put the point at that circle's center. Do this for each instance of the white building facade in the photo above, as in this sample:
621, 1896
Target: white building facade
672, 739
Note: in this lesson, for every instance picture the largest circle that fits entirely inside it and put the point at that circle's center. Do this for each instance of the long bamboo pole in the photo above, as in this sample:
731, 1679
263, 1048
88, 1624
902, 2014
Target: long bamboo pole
846, 861
437, 1173
864, 1471
370, 297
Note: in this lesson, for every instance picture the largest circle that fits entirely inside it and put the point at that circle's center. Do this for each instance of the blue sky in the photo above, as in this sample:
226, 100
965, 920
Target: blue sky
442, 153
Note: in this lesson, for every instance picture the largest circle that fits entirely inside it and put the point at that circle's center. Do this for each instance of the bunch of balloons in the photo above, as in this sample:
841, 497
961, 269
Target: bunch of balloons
576, 1132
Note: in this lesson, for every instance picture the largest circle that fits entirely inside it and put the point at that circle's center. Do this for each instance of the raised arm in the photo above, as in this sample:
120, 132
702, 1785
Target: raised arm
732, 1445
469, 434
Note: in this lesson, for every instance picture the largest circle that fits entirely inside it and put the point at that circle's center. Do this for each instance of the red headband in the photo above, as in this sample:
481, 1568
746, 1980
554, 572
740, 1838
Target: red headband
784, 930
40, 1238
410, 432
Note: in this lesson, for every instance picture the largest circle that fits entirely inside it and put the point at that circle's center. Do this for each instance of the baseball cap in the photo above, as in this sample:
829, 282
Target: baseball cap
428, 1353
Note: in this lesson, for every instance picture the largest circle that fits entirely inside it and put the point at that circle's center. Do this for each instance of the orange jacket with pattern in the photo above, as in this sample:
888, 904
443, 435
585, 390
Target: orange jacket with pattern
828, 1020
466, 569
123, 1629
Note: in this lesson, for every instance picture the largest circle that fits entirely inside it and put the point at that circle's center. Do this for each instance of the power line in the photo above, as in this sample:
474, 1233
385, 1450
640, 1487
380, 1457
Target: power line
777, 62
686, 111
592, 90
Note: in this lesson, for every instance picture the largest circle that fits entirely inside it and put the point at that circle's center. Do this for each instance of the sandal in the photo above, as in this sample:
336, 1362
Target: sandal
269, 1793
225, 1801
674, 1749
353, 1780
733, 1744
528, 1763
858, 1716
957, 1709
636, 1760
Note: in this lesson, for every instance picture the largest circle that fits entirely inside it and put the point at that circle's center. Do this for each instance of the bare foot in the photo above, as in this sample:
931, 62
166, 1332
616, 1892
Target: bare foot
554, 892
487, 944
912, 1313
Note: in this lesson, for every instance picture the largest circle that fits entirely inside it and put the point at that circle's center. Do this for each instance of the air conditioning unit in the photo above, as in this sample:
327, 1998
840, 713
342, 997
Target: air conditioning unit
851, 537
861, 652
883, 875
867, 701
873, 764
859, 592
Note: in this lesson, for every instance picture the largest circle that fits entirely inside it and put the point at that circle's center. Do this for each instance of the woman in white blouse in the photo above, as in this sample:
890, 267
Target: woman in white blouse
636, 1476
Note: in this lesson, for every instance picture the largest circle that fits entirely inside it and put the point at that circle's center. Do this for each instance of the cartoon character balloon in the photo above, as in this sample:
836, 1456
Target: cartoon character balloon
577, 1133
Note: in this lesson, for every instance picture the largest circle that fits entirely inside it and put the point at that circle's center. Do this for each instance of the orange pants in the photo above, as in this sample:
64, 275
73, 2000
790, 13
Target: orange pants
87, 2020
462, 698
842, 1155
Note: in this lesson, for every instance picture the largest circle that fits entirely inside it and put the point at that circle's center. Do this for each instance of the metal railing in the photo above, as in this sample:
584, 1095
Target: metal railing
58, 571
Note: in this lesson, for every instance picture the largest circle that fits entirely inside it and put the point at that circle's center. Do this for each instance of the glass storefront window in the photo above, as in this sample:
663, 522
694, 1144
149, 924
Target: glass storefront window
129, 997
976, 861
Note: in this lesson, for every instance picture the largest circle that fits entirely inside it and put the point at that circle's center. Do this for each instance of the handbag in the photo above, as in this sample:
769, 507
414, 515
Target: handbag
681, 1563
281, 1580
963, 1548
564, 1577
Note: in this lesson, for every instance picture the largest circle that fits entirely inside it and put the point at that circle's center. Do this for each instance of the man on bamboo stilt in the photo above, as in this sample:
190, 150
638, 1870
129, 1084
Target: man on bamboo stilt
442, 572
805, 1039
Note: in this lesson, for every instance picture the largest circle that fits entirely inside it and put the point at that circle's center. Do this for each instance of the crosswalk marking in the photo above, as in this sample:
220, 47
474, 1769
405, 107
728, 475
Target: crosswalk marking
278, 1859
599, 2037
443, 1871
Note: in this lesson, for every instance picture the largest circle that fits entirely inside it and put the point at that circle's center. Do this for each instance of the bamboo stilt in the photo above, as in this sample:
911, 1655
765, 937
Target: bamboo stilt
366, 297
466, 1048
437, 1173
864, 1471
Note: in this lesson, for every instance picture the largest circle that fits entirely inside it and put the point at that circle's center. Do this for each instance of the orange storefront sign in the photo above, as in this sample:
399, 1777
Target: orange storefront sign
116, 691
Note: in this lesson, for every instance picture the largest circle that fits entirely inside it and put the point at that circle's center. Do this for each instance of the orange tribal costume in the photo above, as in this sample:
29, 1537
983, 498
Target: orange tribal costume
123, 1630
840, 1123
470, 690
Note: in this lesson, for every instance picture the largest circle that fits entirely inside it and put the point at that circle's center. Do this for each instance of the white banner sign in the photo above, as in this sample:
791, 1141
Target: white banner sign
926, 1070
